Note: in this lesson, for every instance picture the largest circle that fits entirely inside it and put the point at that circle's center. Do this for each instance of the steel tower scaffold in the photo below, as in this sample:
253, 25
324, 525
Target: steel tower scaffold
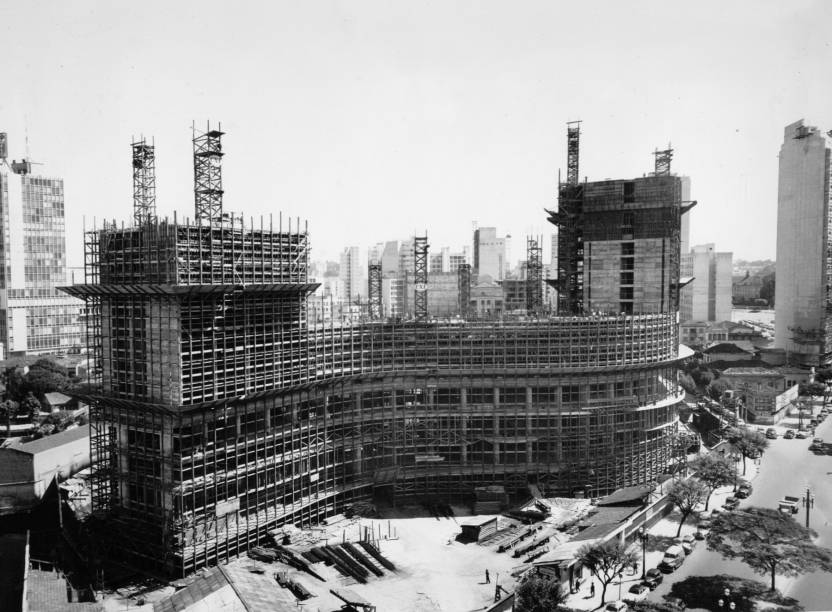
144, 182
534, 276
420, 289
663, 159
208, 175
374, 301
464, 287
570, 281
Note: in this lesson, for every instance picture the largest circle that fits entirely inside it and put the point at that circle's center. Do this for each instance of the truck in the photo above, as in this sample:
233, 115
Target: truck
788, 504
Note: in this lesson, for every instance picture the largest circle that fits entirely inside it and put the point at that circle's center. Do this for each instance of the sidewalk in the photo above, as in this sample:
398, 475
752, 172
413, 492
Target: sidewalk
662, 535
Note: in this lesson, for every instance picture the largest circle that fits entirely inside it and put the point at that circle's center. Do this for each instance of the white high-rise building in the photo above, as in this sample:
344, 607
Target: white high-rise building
490, 253
35, 318
708, 296
354, 281
803, 290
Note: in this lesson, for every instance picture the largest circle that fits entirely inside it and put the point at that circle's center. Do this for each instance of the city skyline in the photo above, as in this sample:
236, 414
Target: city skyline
376, 121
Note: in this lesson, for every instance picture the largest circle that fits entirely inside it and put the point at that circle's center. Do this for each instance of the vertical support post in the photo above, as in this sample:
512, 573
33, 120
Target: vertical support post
464, 288
534, 276
374, 301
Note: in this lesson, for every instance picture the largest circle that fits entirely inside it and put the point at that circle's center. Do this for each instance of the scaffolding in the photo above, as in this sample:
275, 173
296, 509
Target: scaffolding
663, 159
375, 304
464, 289
224, 412
534, 276
208, 175
420, 275
144, 182
569, 221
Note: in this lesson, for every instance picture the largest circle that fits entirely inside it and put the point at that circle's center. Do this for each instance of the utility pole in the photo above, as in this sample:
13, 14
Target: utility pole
808, 502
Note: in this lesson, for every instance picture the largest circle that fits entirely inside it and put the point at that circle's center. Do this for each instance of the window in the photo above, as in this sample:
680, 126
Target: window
570, 394
629, 192
627, 278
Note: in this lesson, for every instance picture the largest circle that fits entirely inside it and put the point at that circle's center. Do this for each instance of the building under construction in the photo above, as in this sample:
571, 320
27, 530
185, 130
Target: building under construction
224, 412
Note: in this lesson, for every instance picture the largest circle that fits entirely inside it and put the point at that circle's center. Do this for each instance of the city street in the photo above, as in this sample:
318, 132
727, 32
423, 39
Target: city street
787, 468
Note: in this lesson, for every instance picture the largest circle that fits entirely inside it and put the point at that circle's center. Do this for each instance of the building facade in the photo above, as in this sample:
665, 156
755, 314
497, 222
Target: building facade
490, 253
352, 274
710, 291
35, 317
225, 412
803, 292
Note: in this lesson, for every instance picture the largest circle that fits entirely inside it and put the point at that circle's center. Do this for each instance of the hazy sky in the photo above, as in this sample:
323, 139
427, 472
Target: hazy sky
373, 120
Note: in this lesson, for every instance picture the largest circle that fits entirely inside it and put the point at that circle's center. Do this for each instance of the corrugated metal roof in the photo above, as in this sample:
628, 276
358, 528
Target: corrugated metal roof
47, 442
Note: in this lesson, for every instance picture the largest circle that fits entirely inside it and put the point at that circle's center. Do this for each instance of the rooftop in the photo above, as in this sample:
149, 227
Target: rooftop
47, 442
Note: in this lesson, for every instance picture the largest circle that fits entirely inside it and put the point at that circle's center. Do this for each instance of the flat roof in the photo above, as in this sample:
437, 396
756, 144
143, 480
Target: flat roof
55, 440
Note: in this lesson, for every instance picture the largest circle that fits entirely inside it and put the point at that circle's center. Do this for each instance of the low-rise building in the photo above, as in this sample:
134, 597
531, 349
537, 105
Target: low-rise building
729, 351
763, 392
27, 469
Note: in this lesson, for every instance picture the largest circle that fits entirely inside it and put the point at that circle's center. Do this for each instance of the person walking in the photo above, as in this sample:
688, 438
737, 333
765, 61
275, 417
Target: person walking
487, 577
592, 589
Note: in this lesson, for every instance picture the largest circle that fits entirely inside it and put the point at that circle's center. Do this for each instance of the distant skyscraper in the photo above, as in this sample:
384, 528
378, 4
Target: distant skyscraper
803, 289
34, 317
708, 296
351, 274
490, 253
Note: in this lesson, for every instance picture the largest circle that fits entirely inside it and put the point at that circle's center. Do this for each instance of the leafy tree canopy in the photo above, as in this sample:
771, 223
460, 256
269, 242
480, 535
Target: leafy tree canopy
606, 561
686, 495
538, 594
715, 471
706, 591
769, 542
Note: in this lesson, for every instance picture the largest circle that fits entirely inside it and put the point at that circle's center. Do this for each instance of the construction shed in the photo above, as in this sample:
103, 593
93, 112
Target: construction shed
479, 529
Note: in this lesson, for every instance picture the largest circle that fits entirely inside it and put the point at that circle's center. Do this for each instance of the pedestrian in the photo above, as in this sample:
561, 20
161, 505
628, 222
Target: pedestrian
487, 577
578, 585
592, 589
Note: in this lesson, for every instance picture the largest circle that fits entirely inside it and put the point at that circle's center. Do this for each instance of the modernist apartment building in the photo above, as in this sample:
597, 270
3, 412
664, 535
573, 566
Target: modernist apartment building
35, 317
226, 412
803, 292
708, 297
490, 253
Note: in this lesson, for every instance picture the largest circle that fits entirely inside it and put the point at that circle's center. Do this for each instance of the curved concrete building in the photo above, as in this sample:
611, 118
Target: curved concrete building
224, 413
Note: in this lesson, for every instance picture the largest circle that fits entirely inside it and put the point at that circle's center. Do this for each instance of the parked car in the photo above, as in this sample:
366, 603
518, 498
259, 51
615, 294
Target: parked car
771, 433
789, 434
699, 535
731, 503
743, 491
704, 524
637, 592
688, 543
788, 504
801, 434
653, 578
675, 602
816, 445
673, 558
616, 606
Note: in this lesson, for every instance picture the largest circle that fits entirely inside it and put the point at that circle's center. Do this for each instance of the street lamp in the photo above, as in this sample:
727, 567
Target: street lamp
643, 536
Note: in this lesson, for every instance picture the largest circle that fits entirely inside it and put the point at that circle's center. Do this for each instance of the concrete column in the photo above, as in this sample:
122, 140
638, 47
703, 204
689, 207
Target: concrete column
529, 458
496, 424
463, 425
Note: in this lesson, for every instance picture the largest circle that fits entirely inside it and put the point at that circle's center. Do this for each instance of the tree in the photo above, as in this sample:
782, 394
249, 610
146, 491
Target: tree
717, 387
769, 542
606, 561
31, 406
686, 495
815, 388
8, 410
687, 383
46, 376
706, 591
714, 471
538, 594
747, 442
